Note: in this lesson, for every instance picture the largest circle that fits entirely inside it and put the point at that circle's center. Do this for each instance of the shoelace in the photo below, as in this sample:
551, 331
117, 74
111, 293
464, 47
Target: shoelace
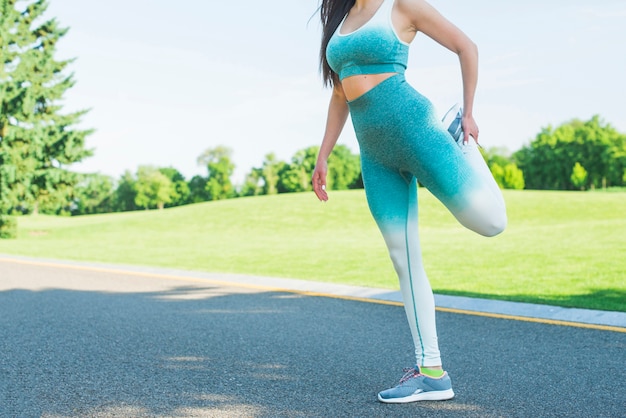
409, 373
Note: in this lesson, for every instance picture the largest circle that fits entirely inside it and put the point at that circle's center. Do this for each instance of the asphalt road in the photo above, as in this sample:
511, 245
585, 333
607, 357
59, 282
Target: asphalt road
84, 343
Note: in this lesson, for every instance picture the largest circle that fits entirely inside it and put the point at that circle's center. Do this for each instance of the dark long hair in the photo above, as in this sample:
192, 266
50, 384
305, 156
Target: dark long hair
332, 13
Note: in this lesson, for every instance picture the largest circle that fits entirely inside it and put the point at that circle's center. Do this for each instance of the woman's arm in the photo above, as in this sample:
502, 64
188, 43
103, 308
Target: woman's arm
422, 17
337, 115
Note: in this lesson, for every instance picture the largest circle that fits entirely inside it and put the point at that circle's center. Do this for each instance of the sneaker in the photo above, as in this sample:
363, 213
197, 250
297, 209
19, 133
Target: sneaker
452, 122
414, 386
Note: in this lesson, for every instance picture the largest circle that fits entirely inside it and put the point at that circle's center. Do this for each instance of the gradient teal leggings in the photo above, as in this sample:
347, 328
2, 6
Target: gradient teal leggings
401, 140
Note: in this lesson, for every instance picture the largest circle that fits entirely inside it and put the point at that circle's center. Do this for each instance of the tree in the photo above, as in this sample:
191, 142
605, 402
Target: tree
125, 193
503, 168
12, 94
197, 189
496, 155
513, 177
344, 169
269, 173
93, 194
497, 171
181, 193
37, 140
153, 188
547, 162
296, 176
579, 176
344, 172
252, 183
220, 166
507, 177
264, 179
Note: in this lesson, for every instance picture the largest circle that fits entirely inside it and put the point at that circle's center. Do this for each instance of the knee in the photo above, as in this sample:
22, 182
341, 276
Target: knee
494, 226
488, 223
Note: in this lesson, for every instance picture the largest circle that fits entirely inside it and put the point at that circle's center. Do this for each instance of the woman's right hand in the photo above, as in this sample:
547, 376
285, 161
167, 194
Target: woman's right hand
337, 115
319, 180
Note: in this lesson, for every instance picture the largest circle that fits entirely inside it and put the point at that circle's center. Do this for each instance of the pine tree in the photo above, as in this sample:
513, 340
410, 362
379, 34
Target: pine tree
37, 140
10, 98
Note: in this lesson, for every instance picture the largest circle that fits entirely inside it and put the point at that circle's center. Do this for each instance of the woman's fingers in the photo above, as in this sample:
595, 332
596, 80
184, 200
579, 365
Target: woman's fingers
319, 185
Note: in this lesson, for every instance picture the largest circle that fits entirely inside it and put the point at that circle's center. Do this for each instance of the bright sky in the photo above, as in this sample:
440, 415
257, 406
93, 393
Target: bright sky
168, 79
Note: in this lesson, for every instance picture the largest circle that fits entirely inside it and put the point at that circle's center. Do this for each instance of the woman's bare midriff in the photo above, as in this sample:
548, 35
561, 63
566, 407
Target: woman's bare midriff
357, 85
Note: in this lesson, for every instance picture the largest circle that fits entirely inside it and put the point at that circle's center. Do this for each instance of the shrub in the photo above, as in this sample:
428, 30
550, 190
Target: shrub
8, 227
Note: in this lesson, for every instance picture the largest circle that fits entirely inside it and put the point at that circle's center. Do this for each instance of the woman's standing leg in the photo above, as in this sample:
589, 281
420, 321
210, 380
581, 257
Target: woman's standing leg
392, 199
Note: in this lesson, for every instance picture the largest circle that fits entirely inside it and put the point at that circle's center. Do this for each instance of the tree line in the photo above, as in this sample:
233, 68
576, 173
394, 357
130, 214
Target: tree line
575, 156
153, 187
39, 141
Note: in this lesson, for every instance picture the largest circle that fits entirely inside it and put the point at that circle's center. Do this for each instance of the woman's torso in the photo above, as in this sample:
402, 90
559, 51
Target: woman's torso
366, 49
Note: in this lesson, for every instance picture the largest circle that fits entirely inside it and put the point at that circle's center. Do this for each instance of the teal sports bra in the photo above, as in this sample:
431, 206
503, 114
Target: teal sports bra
374, 48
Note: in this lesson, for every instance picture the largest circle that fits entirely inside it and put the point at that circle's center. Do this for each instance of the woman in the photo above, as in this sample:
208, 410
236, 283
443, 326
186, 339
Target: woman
363, 56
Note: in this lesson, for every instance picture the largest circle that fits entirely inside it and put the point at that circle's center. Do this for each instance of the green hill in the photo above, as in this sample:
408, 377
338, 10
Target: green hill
561, 248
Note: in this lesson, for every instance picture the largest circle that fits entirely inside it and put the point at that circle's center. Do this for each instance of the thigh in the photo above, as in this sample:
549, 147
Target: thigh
399, 132
391, 194
457, 176
398, 128
461, 180
440, 166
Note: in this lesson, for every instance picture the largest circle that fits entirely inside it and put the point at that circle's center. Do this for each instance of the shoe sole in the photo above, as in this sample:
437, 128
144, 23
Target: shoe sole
452, 120
439, 395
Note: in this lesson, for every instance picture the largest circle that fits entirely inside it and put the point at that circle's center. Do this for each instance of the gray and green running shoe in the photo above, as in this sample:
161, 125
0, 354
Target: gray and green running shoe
452, 122
415, 386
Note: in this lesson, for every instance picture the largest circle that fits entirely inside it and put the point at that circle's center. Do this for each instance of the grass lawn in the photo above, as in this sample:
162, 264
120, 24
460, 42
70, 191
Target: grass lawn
561, 248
